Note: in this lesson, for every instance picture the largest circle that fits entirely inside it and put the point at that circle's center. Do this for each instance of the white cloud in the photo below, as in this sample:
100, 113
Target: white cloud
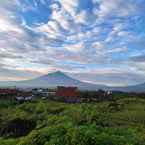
115, 8
70, 6
118, 50
60, 18
81, 17
98, 45
117, 28
75, 47
72, 36
7, 23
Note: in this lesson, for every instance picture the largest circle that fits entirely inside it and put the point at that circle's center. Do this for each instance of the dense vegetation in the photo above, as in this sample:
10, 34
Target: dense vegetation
120, 122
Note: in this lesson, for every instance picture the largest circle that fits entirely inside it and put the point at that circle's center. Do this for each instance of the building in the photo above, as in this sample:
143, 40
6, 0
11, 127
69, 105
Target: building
15, 95
8, 94
51, 92
44, 93
24, 96
67, 94
67, 91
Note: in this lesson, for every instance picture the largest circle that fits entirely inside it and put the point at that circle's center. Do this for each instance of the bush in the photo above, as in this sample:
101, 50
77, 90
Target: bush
78, 124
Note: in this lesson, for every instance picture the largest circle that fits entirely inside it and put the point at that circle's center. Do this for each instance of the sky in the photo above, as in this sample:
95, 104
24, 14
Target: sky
97, 41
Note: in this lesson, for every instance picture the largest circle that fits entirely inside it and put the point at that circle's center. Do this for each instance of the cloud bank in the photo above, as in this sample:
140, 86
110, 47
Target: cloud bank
90, 38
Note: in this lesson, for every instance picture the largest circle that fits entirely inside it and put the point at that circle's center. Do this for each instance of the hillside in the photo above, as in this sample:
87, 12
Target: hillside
105, 123
135, 88
58, 78
52, 80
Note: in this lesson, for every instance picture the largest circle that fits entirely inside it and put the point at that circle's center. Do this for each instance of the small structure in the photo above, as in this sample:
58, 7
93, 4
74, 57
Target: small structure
67, 94
8, 94
44, 92
51, 92
48, 93
24, 96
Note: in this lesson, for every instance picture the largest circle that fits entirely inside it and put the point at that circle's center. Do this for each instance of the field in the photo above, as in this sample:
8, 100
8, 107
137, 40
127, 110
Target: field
120, 122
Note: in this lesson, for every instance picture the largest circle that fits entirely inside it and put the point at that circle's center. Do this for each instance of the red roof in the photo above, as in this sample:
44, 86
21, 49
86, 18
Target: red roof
67, 92
8, 91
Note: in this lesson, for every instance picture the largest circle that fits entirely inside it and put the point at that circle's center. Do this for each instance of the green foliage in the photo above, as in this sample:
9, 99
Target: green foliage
103, 123
8, 141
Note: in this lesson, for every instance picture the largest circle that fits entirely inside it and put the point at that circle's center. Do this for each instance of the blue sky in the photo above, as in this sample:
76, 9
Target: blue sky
98, 41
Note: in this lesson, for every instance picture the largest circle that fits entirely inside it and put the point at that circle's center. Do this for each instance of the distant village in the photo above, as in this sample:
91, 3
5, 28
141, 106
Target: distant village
61, 93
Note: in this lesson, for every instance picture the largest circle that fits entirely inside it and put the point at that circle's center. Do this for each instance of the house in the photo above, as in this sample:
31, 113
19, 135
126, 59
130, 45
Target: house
24, 96
44, 92
68, 94
8, 94
48, 93
51, 92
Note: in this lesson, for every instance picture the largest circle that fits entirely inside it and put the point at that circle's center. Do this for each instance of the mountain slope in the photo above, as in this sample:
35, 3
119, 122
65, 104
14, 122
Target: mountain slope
135, 88
52, 80
60, 79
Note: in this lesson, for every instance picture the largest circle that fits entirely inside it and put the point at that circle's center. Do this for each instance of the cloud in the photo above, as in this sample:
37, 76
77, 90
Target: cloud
106, 75
98, 45
72, 36
138, 58
117, 8
75, 47
81, 17
70, 6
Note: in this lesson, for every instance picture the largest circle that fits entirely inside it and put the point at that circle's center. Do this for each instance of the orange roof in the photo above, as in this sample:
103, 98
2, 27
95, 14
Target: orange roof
67, 92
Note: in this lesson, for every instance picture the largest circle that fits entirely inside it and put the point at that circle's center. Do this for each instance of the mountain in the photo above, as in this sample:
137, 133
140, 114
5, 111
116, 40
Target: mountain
52, 80
135, 88
61, 79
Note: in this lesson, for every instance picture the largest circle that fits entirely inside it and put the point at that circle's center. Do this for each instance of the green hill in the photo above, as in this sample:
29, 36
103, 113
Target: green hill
121, 122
